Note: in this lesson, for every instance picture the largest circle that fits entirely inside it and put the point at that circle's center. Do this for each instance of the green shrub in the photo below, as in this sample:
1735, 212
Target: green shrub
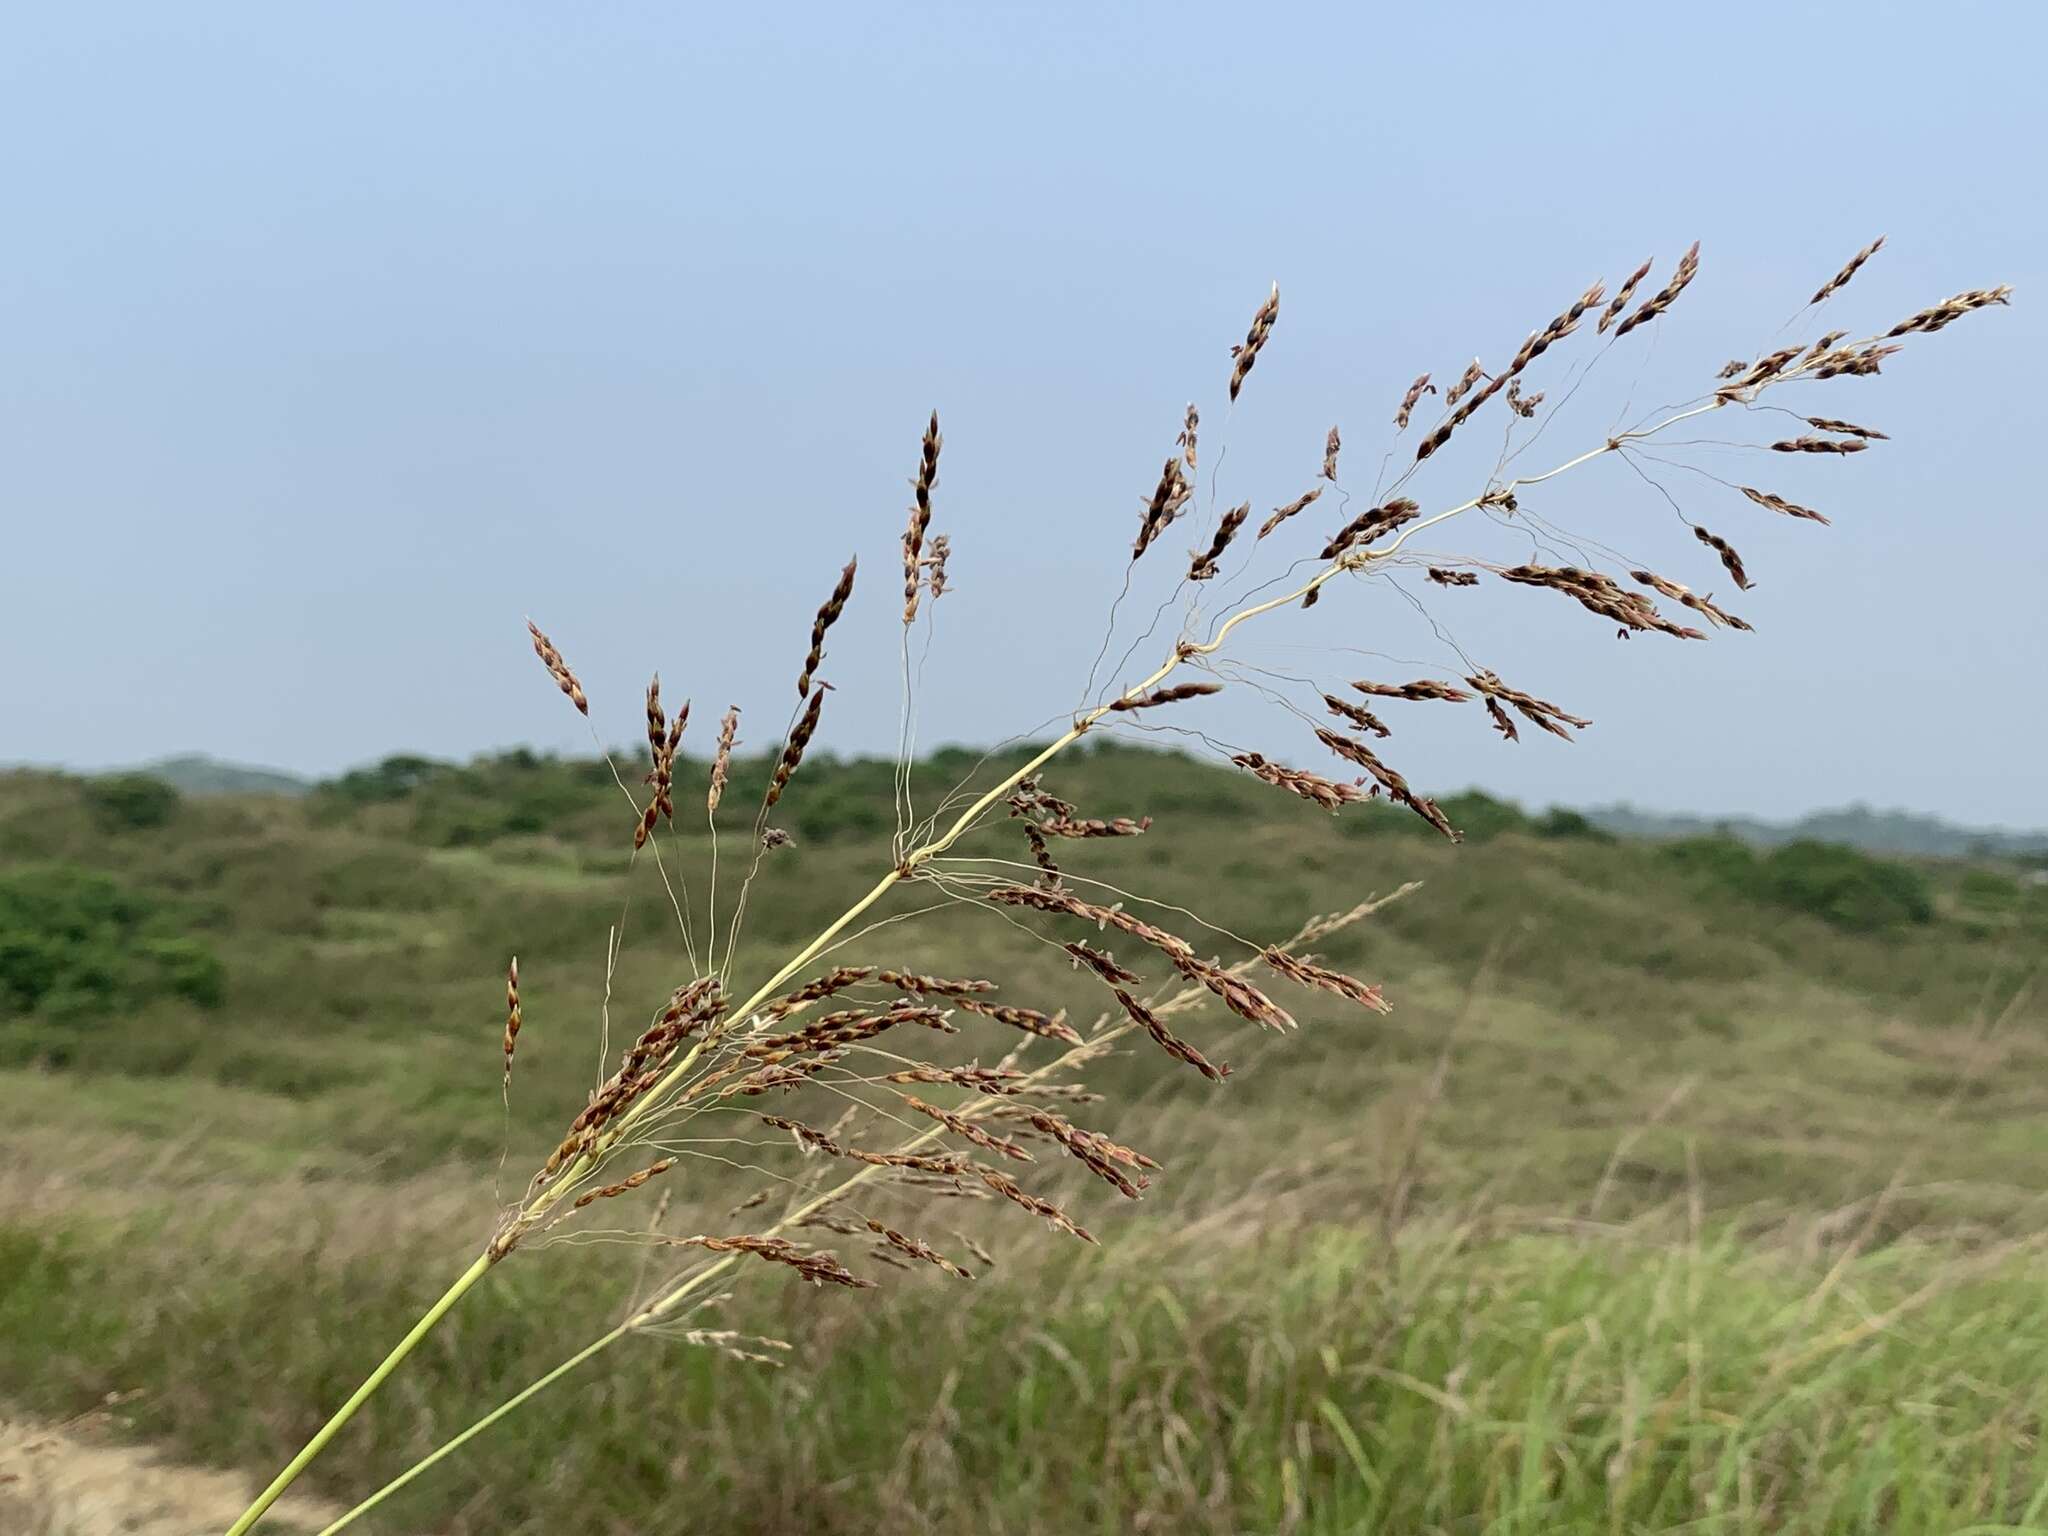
1559, 822
1478, 815
1986, 890
393, 779
74, 943
131, 800
1721, 858
1846, 888
1841, 886
188, 969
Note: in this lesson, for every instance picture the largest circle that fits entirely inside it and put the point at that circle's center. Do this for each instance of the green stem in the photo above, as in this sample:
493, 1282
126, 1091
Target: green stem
483, 1424
371, 1383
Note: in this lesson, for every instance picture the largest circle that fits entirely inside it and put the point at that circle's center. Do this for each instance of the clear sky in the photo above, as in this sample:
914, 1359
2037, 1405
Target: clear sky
334, 340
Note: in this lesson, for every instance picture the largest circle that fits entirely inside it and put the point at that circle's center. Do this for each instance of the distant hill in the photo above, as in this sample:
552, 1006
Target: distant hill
194, 773
1855, 826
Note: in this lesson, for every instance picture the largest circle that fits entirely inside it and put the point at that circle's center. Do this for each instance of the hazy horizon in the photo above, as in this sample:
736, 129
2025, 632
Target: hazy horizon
330, 362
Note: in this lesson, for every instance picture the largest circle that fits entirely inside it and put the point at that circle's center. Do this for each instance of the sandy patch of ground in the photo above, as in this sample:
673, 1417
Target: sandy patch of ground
75, 1479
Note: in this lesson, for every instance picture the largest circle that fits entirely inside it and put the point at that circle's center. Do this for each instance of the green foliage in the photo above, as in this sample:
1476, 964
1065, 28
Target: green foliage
188, 969
1478, 815
131, 801
1853, 891
1987, 890
1305, 1380
75, 942
1562, 823
1848, 889
1720, 858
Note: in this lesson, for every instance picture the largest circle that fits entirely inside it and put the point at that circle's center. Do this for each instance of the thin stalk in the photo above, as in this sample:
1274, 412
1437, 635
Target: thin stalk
371, 1383
1182, 652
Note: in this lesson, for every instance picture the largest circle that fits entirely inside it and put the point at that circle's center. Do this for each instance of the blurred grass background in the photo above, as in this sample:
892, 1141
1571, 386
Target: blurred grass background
1688, 1186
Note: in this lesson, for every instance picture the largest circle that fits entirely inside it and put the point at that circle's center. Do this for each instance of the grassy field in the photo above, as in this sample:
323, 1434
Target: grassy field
1686, 1187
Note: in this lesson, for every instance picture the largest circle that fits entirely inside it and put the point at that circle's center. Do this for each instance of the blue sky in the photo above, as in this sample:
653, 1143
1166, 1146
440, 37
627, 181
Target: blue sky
334, 340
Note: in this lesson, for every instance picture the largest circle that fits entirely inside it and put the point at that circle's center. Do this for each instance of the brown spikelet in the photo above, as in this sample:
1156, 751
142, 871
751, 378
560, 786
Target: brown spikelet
1726, 551
1371, 524
630, 1182
989, 1080
799, 738
1522, 405
1327, 793
817, 1140
793, 749
967, 1130
1622, 295
816, 1266
658, 751
1444, 578
665, 767
1175, 948
922, 1252
1559, 328
1303, 973
935, 566
1030, 1020
1101, 962
1731, 368
934, 986
1662, 299
1819, 445
1420, 689
1095, 1152
512, 1016
657, 722
1095, 826
1237, 994
1281, 514
1172, 694
920, 515
1678, 592
828, 614
1409, 401
1950, 310
1203, 566
1002, 1184
1841, 279
1742, 376
1847, 428
1472, 375
833, 981
721, 760
1852, 362
845, 1026
558, 669
1537, 711
1822, 346
1149, 1021
1392, 782
1332, 445
1780, 504
1186, 440
1164, 504
1364, 719
1247, 353
1502, 722
1598, 594
1534, 347
1049, 874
